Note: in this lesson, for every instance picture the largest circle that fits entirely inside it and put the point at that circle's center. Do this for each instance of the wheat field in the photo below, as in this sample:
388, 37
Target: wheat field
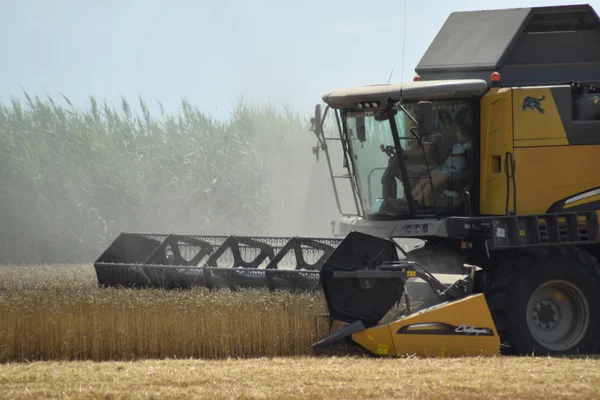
302, 377
63, 337
59, 313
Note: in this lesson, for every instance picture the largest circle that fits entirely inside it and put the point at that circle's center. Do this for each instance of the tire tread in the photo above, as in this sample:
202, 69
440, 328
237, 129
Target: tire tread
519, 266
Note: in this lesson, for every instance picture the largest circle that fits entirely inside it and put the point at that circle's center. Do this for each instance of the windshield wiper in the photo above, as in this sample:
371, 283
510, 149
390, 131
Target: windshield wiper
399, 104
400, 158
422, 144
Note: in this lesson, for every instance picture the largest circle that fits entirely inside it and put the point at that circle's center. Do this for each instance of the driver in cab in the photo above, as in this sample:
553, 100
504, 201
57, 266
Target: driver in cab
454, 165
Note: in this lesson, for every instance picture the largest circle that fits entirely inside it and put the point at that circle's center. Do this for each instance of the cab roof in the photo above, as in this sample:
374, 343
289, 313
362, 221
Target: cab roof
408, 91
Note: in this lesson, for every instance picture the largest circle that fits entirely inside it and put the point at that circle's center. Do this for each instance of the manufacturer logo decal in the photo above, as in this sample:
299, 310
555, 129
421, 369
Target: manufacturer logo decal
472, 330
440, 328
533, 103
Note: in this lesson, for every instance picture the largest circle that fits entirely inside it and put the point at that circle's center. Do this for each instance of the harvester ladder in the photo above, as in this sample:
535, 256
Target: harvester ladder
350, 176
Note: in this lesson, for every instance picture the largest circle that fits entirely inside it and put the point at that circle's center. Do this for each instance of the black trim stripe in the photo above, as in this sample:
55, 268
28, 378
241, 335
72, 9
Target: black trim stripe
441, 328
559, 206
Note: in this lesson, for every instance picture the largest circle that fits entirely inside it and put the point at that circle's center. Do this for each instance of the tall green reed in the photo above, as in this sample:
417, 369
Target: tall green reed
73, 178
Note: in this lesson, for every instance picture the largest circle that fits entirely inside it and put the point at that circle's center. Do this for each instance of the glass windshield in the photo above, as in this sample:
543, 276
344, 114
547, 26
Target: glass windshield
439, 172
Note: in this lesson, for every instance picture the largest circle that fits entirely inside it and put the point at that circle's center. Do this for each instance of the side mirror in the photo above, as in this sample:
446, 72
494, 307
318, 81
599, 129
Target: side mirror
384, 115
425, 117
316, 122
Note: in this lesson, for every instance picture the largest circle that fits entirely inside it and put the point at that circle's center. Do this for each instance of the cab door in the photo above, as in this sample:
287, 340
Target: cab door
496, 151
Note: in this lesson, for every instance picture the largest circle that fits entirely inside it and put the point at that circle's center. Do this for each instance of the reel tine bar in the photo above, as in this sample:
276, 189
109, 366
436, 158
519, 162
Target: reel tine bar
184, 261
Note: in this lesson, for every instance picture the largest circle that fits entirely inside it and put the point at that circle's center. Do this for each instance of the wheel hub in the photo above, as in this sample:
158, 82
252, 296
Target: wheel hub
558, 315
546, 315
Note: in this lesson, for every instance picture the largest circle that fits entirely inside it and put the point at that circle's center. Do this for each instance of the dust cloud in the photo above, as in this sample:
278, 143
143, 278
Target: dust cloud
86, 174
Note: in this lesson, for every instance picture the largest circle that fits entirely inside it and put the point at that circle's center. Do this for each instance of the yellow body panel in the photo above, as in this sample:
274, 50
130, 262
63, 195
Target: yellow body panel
533, 126
460, 328
526, 122
377, 340
496, 141
546, 175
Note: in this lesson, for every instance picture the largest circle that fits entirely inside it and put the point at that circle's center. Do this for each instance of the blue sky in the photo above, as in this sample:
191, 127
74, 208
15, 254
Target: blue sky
215, 52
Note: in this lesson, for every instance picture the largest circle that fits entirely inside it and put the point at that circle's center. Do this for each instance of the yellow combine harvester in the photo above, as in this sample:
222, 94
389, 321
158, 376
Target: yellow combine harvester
490, 157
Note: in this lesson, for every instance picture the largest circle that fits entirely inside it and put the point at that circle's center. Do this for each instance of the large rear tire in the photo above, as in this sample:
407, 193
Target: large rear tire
547, 301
